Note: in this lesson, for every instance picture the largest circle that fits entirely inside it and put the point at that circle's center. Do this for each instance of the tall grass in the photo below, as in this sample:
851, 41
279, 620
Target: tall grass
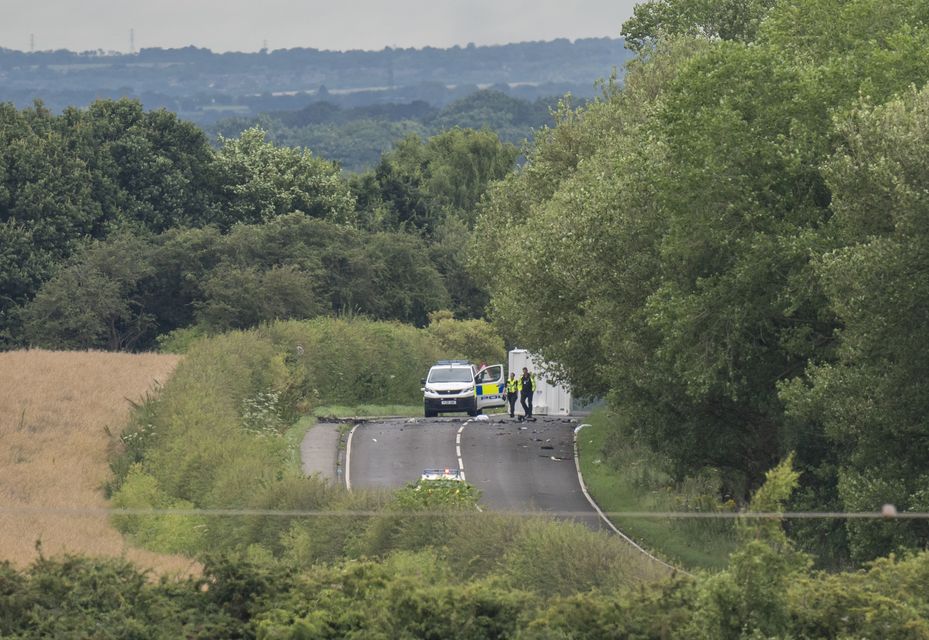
59, 413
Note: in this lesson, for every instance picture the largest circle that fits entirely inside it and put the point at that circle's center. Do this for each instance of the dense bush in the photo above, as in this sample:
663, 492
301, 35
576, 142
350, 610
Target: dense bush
418, 595
214, 436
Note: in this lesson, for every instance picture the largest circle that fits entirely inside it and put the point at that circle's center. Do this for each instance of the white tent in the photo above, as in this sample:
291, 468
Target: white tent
549, 398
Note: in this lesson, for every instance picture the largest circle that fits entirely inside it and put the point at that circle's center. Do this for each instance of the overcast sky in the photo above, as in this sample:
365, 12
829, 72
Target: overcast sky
244, 25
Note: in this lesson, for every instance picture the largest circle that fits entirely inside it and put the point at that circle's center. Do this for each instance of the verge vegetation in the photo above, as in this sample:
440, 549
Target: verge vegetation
530, 580
622, 474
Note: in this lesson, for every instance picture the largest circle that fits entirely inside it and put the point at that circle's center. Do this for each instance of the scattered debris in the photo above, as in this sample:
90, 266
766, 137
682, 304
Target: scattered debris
411, 420
547, 446
481, 418
374, 439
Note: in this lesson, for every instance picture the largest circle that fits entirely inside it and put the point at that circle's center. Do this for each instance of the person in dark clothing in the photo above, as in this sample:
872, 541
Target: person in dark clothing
512, 393
527, 387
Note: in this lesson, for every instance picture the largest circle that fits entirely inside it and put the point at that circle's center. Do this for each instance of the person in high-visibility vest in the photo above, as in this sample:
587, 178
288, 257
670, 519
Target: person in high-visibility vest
527, 388
512, 393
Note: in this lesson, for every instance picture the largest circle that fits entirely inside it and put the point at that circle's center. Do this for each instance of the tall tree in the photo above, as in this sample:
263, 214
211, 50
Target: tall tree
873, 400
258, 181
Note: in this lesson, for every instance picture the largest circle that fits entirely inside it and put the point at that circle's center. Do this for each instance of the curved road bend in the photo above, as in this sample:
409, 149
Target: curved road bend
517, 466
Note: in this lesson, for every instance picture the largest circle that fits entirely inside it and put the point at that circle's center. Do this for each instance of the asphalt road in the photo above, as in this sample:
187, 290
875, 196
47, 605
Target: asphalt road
517, 466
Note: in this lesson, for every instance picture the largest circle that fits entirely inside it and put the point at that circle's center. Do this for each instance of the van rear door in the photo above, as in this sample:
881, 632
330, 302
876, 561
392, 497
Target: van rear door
489, 388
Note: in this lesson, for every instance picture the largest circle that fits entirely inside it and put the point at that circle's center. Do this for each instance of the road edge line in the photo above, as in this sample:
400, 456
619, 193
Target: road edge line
461, 460
348, 459
458, 453
593, 503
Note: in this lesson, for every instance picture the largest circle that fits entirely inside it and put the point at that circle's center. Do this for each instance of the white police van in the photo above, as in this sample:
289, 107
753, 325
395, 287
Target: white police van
457, 385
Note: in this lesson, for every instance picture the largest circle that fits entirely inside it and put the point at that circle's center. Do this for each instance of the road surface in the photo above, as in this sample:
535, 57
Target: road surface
517, 466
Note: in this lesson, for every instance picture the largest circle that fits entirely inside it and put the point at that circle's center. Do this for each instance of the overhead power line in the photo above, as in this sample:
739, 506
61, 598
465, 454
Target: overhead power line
299, 513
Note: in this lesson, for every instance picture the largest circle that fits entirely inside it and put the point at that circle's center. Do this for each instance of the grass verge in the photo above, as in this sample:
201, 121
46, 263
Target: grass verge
368, 410
616, 488
294, 436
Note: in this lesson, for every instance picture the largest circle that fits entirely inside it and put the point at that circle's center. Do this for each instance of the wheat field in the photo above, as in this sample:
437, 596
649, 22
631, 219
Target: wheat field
56, 409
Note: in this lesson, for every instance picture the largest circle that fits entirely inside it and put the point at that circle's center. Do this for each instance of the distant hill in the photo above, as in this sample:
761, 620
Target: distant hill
204, 86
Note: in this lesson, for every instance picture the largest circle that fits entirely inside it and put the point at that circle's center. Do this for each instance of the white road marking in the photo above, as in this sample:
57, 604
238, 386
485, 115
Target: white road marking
348, 458
580, 479
460, 461
458, 452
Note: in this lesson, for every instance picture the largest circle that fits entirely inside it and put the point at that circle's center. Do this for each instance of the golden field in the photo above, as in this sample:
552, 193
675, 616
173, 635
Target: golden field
56, 409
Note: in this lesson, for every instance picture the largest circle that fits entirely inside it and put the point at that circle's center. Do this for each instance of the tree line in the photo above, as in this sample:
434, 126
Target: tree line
357, 137
732, 247
118, 225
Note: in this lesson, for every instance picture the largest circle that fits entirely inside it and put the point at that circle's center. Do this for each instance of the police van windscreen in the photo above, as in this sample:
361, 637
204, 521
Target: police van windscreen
450, 374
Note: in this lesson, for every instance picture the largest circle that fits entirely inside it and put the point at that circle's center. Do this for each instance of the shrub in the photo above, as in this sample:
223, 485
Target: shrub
165, 533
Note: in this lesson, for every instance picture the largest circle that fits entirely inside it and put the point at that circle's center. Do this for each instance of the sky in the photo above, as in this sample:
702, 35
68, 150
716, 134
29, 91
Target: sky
247, 25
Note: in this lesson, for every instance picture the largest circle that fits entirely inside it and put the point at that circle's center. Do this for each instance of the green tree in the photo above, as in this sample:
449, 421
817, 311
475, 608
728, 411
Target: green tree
420, 182
666, 237
723, 19
95, 302
238, 298
258, 181
145, 167
871, 401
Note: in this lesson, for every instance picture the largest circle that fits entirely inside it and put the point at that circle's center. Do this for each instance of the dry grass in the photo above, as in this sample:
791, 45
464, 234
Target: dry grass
55, 410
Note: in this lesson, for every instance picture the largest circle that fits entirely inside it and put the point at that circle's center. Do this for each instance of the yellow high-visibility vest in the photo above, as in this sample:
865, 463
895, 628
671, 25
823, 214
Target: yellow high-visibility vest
532, 380
513, 386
